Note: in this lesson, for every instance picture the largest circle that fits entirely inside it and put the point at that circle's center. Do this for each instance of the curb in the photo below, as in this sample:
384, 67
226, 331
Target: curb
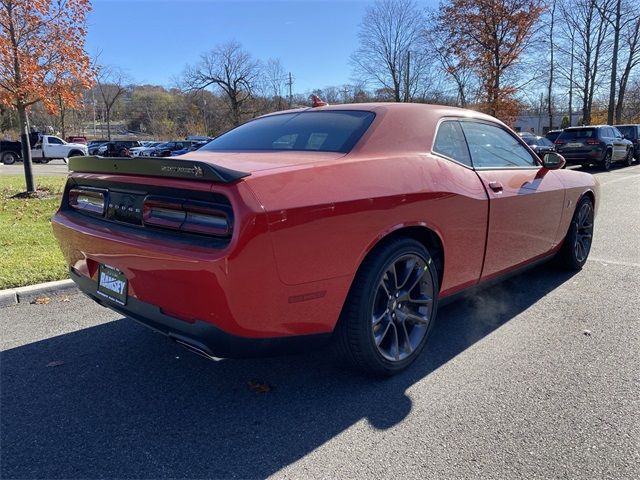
13, 296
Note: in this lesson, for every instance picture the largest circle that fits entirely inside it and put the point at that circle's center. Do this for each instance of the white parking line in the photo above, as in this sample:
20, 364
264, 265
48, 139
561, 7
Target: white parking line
615, 180
614, 262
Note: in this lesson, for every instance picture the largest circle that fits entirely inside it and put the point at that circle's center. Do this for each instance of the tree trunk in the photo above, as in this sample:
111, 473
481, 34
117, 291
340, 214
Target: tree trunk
614, 65
108, 115
26, 148
550, 90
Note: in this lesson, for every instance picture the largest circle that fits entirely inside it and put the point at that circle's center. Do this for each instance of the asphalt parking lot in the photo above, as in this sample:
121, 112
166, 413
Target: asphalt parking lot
536, 377
55, 168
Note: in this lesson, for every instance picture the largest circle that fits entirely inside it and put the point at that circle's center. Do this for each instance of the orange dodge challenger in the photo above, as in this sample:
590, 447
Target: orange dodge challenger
333, 223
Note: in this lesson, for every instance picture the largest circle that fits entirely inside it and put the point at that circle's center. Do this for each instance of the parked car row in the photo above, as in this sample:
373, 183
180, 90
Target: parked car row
134, 148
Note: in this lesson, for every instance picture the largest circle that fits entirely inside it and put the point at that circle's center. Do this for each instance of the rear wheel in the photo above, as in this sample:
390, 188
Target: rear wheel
606, 161
390, 309
9, 158
577, 244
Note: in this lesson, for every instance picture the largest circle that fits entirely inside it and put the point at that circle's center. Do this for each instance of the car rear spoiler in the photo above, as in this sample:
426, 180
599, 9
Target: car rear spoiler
156, 167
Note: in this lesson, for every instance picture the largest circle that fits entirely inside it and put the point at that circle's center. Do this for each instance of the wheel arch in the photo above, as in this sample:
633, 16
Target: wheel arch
72, 153
428, 236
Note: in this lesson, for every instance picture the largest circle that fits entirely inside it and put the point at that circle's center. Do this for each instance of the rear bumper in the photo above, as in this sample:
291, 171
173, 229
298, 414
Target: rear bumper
200, 335
591, 156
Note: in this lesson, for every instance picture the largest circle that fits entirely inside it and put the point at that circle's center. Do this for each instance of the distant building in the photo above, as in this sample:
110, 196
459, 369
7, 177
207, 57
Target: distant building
538, 124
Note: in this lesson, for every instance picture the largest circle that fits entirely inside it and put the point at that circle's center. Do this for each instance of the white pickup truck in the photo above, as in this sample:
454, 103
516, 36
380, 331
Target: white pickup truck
50, 147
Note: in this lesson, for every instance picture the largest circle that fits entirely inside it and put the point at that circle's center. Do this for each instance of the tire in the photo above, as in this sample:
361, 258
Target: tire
378, 316
606, 161
629, 158
9, 158
75, 153
577, 243
44, 160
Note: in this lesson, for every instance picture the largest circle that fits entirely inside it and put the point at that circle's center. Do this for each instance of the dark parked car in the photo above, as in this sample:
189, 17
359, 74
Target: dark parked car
94, 145
167, 148
113, 149
552, 135
194, 146
632, 133
10, 152
540, 145
601, 145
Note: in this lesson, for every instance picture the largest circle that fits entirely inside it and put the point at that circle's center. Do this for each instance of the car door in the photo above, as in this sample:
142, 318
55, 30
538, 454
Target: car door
525, 200
54, 147
621, 145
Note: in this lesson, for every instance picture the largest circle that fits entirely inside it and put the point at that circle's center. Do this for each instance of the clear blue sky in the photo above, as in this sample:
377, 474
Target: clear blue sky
153, 40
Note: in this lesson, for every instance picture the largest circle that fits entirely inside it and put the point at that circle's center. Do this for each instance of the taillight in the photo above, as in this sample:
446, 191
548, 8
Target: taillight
559, 142
88, 201
187, 216
592, 141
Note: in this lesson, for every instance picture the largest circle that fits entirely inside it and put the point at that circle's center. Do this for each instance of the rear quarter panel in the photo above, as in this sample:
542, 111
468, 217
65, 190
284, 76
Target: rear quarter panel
325, 218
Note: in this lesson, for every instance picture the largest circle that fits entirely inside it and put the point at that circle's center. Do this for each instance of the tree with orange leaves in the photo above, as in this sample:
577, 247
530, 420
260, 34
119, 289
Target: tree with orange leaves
490, 36
42, 59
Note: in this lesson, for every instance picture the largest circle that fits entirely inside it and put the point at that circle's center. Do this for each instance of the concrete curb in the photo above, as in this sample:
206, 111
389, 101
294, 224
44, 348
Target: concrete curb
13, 296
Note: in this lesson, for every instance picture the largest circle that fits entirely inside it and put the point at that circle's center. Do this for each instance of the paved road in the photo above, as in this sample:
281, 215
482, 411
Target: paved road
56, 168
511, 387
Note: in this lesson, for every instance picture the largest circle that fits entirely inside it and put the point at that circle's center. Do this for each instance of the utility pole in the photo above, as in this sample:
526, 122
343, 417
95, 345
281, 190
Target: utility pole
290, 84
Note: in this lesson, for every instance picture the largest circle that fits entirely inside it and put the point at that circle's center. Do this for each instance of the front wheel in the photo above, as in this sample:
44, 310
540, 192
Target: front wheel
629, 159
577, 244
390, 308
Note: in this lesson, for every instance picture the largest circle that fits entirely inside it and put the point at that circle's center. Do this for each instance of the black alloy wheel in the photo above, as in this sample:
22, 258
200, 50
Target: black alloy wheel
390, 309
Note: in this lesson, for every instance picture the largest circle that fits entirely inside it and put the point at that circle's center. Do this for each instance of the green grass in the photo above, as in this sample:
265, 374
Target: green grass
30, 253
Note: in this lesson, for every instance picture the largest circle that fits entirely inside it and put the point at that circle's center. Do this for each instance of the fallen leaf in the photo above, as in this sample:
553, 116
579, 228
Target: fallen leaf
258, 387
41, 300
587, 333
55, 363
64, 299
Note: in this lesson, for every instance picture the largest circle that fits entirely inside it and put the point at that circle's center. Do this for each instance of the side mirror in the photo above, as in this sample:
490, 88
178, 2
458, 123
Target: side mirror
553, 161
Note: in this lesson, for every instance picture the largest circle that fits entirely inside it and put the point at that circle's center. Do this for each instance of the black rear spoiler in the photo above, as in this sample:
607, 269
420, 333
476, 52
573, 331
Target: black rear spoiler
156, 167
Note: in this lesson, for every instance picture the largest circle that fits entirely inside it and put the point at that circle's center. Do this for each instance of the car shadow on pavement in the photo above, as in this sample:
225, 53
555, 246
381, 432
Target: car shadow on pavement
127, 403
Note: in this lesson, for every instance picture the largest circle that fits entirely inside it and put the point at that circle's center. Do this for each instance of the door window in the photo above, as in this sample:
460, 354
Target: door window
55, 141
450, 142
493, 147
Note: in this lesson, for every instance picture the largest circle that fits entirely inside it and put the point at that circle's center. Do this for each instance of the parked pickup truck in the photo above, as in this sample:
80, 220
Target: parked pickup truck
48, 148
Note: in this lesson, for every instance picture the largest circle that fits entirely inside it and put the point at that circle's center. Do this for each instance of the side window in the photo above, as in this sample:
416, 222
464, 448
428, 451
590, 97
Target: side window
450, 142
616, 132
493, 147
55, 141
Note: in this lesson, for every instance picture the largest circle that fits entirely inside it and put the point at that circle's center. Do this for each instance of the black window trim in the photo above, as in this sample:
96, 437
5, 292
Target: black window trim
486, 122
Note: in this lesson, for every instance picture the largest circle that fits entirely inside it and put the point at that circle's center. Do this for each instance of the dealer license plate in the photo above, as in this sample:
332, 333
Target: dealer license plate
574, 145
112, 284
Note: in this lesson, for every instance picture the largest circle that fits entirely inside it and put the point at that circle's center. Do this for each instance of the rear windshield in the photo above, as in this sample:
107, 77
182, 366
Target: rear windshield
579, 133
320, 131
627, 131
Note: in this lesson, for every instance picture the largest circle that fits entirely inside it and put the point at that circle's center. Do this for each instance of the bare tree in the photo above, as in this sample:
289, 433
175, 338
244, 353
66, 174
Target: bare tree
111, 84
552, 19
276, 79
391, 54
231, 69
591, 50
631, 48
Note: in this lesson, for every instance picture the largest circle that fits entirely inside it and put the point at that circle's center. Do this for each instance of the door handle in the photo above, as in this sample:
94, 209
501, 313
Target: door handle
495, 186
